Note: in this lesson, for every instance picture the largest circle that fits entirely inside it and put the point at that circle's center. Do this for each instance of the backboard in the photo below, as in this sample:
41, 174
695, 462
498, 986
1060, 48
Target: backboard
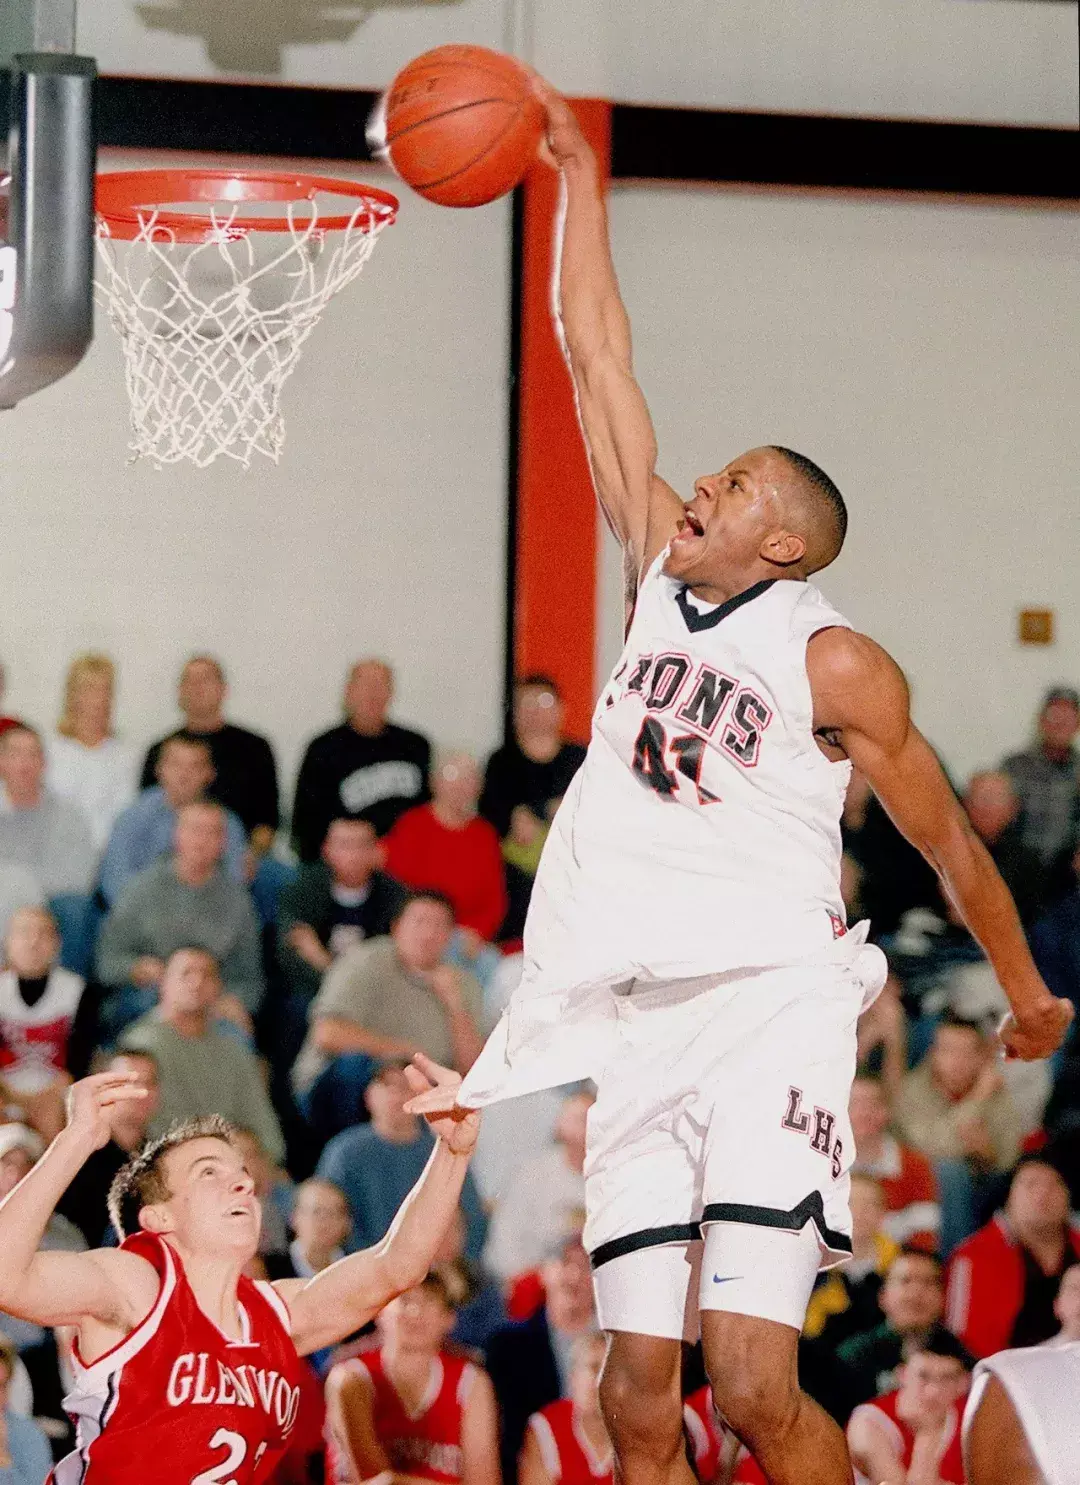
47, 253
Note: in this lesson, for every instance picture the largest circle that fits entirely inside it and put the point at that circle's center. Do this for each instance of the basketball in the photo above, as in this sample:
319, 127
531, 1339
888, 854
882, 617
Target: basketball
461, 124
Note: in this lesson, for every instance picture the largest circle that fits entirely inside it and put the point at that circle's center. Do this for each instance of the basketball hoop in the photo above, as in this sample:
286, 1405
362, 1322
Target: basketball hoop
213, 307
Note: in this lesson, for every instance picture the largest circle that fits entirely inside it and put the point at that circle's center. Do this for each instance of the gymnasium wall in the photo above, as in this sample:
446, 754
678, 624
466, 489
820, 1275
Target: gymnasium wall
926, 355
999, 60
382, 531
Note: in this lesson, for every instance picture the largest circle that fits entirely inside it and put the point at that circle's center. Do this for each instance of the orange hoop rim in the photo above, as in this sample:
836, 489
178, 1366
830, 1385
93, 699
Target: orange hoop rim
124, 199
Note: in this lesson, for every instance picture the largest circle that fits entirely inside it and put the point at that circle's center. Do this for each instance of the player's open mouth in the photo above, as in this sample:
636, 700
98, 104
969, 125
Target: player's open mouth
690, 527
240, 1211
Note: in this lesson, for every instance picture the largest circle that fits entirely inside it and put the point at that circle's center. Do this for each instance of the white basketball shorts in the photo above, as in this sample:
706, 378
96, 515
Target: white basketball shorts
718, 1150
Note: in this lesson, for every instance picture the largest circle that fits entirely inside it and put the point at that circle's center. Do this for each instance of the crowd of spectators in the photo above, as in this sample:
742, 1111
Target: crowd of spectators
156, 916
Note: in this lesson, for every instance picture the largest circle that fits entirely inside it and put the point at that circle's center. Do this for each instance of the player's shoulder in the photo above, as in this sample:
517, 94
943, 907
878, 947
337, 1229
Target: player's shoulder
841, 661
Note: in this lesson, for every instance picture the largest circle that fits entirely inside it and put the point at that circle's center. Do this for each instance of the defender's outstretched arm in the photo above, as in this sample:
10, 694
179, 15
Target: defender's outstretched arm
641, 509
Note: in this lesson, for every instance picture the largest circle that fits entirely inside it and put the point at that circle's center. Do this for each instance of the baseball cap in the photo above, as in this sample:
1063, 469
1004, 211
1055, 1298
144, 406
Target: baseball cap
1062, 693
19, 1137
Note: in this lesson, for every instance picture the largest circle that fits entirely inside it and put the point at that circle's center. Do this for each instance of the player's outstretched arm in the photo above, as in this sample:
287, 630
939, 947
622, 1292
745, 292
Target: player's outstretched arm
640, 508
116, 1289
346, 1295
861, 703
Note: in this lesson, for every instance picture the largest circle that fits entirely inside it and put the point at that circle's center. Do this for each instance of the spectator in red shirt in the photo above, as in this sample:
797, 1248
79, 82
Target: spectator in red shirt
567, 1442
409, 1409
912, 1436
912, 1212
38, 1004
445, 846
1002, 1282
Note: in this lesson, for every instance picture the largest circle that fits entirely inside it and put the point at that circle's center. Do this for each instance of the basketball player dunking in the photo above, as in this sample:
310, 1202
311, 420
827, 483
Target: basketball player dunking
186, 1371
686, 944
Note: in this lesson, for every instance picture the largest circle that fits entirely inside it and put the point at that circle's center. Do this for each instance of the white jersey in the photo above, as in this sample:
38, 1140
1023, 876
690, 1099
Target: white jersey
702, 833
1043, 1384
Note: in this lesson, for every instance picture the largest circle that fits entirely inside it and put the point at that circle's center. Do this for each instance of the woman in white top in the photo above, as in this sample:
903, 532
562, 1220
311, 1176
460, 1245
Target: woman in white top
87, 764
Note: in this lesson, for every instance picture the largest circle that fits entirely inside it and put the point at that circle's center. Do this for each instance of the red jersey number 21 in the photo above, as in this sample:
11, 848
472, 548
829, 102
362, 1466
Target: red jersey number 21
235, 1446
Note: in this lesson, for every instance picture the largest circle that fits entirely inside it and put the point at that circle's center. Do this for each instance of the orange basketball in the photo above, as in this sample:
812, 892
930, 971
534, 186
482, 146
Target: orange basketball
461, 124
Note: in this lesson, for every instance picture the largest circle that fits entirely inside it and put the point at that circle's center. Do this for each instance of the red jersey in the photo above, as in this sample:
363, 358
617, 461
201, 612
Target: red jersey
34, 1038
565, 1448
180, 1402
426, 1443
950, 1460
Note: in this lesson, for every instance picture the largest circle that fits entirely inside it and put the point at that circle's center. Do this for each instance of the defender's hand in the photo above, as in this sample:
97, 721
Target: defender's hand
435, 1091
89, 1103
1036, 1031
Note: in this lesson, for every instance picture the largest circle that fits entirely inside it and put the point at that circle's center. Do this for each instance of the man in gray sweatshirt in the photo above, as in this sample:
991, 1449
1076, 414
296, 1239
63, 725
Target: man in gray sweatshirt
185, 899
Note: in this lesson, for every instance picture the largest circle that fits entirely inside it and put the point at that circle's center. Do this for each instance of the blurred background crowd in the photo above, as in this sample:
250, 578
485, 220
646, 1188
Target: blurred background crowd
166, 914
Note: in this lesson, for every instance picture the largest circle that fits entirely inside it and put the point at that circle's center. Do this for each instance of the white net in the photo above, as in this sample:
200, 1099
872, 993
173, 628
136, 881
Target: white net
212, 330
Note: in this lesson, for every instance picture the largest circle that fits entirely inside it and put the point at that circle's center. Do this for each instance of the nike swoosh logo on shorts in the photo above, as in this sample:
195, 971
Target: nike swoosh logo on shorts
728, 1279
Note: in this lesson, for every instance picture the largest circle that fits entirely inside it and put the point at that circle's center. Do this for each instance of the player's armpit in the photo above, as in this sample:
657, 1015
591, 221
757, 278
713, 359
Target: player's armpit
339, 1300
996, 1451
105, 1285
861, 702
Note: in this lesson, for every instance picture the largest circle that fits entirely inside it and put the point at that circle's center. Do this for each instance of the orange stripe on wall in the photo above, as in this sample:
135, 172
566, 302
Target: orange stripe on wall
556, 552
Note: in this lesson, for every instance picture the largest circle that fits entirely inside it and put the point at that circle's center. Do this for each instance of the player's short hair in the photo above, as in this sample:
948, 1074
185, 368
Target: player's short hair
538, 681
188, 739
422, 894
829, 509
141, 1182
211, 660
13, 732
962, 1023
942, 1342
448, 1283
912, 1250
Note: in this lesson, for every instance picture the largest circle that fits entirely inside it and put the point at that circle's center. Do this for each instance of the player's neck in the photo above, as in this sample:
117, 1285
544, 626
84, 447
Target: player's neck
214, 1281
724, 587
407, 1368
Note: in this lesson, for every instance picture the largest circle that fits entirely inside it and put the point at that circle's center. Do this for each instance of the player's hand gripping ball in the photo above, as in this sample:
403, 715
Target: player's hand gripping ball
460, 124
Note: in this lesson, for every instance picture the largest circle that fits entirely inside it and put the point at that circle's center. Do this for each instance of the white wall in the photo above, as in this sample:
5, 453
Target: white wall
976, 59
382, 530
928, 356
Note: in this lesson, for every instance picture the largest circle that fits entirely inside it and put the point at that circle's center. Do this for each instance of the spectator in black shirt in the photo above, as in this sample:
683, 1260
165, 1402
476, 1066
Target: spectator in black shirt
526, 778
85, 1202
333, 903
365, 769
523, 783
245, 775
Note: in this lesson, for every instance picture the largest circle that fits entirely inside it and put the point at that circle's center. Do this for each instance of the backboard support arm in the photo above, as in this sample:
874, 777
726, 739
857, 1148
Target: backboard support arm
51, 159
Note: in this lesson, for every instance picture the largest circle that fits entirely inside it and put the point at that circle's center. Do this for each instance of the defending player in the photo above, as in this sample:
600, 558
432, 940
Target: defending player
1020, 1424
185, 1370
686, 943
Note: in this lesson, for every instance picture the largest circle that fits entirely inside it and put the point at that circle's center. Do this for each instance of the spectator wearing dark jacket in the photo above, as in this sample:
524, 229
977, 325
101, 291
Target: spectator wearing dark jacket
1002, 1282
911, 1299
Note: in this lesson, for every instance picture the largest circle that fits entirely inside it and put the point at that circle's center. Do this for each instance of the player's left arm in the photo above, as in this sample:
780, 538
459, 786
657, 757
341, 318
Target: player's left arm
480, 1434
345, 1296
861, 707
